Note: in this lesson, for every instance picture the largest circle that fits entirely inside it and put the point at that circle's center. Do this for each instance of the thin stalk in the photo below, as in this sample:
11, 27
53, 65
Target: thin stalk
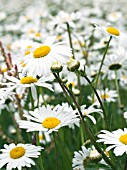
70, 39
98, 97
41, 91
91, 136
18, 134
40, 157
102, 61
56, 152
32, 101
125, 167
61, 84
117, 89
82, 135
65, 150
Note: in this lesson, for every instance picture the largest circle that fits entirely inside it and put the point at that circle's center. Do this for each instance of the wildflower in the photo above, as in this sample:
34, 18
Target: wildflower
116, 139
29, 81
47, 120
18, 156
91, 109
111, 31
40, 60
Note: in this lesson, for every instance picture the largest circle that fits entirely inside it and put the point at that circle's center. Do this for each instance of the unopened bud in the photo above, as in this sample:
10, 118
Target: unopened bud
72, 64
56, 67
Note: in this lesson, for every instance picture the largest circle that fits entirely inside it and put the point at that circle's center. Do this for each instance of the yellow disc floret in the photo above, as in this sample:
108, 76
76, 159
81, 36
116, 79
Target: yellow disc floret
51, 122
123, 139
41, 51
104, 96
113, 31
17, 152
27, 52
28, 80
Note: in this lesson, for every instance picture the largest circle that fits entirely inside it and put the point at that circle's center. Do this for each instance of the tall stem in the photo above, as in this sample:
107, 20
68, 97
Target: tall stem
56, 152
102, 61
117, 89
70, 39
98, 97
40, 157
125, 167
91, 136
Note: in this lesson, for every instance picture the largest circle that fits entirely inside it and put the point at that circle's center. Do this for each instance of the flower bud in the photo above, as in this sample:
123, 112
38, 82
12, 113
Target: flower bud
95, 156
56, 67
72, 64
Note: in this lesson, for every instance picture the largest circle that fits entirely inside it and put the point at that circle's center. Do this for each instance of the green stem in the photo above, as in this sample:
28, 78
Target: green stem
41, 91
102, 61
125, 167
70, 39
56, 152
117, 89
61, 84
32, 101
82, 134
65, 150
40, 157
87, 130
18, 131
98, 97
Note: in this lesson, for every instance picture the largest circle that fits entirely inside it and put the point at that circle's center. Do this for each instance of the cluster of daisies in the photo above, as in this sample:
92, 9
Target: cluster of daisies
50, 59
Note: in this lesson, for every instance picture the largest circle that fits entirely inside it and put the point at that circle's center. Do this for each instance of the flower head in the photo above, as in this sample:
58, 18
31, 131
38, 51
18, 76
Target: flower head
18, 156
38, 62
48, 120
116, 139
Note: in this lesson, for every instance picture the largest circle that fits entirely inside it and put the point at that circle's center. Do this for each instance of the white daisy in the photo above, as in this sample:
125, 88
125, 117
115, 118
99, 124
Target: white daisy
86, 156
5, 94
115, 62
105, 95
91, 109
111, 31
18, 156
68, 109
116, 139
39, 61
29, 81
48, 120
80, 159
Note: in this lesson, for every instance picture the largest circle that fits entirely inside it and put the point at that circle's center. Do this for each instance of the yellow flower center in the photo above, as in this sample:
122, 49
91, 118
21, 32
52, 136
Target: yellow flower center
38, 34
28, 80
29, 46
104, 96
113, 31
123, 139
17, 152
51, 122
70, 83
85, 113
27, 52
3, 70
41, 51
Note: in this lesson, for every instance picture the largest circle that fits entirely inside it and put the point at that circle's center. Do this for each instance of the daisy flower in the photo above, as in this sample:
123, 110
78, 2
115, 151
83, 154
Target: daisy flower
47, 120
115, 62
29, 81
40, 60
18, 156
116, 139
80, 159
63, 17
111, 31
105, 95
84, 157
5, 94
87, 111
